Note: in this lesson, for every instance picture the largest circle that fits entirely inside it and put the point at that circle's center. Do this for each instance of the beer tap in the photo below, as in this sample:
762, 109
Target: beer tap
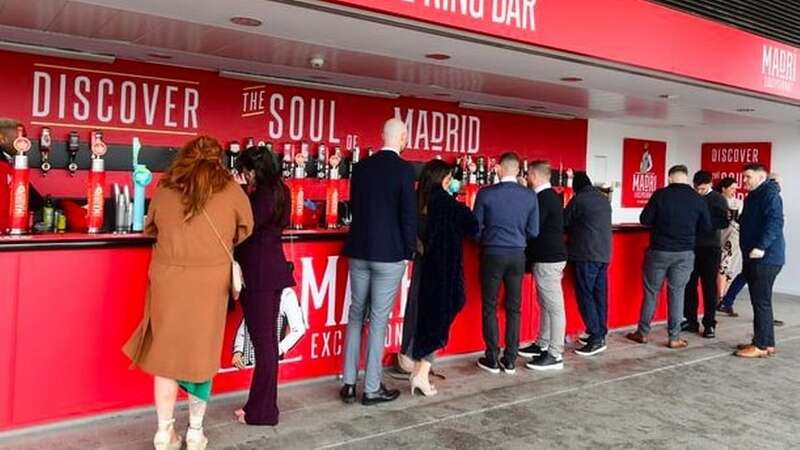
97, 181
19, 217
45, 143
233, 154
73, 145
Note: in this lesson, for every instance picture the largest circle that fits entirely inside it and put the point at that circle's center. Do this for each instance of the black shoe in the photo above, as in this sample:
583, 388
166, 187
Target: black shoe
489, 364
591, 349
727, 310
710, 332
546, 362
508, 366
583, 339
348, 393
531, 351
382, 396
690, 327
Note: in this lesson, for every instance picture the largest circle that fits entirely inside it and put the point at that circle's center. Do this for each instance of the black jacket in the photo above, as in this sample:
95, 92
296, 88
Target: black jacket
675, 215
761, 225
384, 207
441, 291
718, 210
587, 220
549, 246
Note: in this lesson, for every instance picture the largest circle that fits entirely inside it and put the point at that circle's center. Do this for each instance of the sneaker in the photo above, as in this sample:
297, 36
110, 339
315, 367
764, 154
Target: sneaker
507, 366
690, 327
591, 349
546, 362
583, 339
531, 351
489, 365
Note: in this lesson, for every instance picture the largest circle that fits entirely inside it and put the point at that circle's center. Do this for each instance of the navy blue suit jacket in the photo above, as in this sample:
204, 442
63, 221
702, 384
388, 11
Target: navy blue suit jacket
384, 208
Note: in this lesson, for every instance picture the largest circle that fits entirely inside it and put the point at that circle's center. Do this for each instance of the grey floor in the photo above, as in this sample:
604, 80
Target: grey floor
632, 396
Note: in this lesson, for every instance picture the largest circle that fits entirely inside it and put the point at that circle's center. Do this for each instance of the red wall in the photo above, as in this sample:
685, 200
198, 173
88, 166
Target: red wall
65, 314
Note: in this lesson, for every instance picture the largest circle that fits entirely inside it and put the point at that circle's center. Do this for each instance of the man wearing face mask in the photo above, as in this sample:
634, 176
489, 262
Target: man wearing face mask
707, 259
381, 241
763, 249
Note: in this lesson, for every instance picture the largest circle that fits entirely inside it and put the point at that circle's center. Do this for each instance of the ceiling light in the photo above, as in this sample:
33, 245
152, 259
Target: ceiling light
512, 110
537, 108
441, 94
246, 21
307, 84
57, 52
159, 55
438, 56
572, 79
669, 96
745, 110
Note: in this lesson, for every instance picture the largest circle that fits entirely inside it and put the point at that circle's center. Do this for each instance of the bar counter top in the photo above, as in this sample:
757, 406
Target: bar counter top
73, 240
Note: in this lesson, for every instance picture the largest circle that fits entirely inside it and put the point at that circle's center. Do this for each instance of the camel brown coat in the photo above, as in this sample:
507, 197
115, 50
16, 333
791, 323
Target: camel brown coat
180, 336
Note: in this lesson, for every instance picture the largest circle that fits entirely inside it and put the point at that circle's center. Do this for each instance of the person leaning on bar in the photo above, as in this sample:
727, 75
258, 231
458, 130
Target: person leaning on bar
196, 210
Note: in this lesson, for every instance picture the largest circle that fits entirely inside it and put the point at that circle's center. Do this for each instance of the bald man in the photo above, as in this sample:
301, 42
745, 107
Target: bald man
381, 241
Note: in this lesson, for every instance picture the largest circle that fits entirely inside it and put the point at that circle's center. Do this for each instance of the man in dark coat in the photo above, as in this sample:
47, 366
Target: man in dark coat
587, 220
764, 252
707, 259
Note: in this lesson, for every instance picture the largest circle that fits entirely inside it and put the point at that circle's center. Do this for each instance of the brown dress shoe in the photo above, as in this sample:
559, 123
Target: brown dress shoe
637, 337
677, 344
770, 350
752, 352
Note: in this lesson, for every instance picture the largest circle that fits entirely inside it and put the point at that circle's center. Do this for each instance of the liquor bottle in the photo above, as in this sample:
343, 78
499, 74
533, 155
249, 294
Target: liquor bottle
351, 162
481, 171
493, 178
525, 169
370, 152
301, 162
250, 142
335, 165
287, 164
321, 167
269, 147
308, 163
472, 171
458, 170
45, 144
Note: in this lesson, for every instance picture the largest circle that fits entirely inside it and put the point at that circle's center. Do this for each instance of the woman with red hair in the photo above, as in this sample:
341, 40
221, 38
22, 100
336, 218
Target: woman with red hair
197, 214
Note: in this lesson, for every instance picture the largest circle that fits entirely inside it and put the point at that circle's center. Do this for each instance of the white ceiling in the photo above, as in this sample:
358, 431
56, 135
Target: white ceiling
378, 52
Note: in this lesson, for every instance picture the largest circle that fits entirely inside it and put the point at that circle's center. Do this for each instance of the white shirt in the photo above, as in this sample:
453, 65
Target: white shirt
290, 312
543, 187
390, 149
510, 179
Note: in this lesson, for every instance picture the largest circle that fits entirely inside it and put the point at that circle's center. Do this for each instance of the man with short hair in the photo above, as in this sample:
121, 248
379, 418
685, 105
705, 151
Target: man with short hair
381, 241
763, 251
675, 214
547, 257
507, 216
587, 220
707, 259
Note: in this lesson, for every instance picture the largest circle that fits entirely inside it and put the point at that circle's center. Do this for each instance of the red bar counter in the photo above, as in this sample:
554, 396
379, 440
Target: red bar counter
70, 301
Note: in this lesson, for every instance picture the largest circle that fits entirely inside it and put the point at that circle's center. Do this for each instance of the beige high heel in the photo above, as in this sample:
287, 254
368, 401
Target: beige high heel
167, 439
419, 379
196, 439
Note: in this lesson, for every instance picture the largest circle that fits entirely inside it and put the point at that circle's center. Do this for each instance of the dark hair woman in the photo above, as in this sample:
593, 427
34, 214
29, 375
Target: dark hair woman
197, 214
266, 274
437, 286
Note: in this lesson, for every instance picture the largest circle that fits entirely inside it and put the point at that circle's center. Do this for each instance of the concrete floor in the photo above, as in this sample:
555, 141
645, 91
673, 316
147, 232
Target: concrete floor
632, 396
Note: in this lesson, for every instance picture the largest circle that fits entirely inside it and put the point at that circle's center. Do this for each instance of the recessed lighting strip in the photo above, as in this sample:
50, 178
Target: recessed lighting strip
307, 84
57, 52
509, 109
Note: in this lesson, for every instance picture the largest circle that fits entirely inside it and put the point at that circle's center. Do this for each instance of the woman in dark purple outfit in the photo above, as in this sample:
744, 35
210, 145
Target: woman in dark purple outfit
266, 274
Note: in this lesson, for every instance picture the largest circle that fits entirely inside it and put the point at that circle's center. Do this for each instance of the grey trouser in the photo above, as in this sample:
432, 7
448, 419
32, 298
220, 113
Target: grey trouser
550, 296
374, 287
676, 268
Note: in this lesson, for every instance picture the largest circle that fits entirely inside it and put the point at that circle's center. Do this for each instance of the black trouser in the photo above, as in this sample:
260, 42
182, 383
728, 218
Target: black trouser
760, 279
509, 270
706, 270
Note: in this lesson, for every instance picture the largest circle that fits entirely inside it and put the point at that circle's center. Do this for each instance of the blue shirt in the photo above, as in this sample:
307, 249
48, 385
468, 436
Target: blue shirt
508, 215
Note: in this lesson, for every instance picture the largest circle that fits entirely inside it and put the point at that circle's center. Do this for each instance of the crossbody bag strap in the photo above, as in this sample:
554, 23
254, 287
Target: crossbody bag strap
219, 237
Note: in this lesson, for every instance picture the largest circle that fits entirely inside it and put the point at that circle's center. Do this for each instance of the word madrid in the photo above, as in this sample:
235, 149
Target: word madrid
779, 67
514, 13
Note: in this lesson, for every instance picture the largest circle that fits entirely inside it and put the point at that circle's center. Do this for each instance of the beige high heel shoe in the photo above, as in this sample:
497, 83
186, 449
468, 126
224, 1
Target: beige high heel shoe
420, 379
196, 439
167, 439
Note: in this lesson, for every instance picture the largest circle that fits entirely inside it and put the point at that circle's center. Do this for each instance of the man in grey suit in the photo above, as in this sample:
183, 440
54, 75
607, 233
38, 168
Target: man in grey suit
381, 241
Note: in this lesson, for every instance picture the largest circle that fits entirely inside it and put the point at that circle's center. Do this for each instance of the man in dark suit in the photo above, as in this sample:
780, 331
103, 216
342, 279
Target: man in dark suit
381, 241
707, 259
